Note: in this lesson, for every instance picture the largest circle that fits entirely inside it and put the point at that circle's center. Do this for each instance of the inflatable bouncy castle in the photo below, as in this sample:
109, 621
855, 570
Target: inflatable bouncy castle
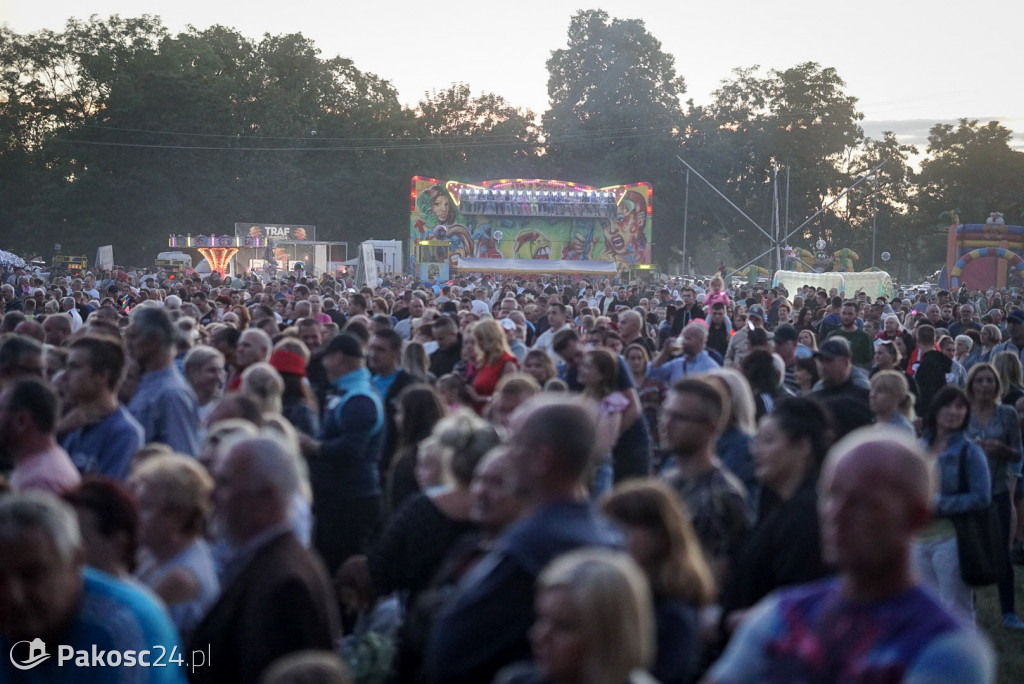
982, 254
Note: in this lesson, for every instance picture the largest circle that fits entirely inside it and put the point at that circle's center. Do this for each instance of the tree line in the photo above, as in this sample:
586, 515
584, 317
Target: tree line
114, 131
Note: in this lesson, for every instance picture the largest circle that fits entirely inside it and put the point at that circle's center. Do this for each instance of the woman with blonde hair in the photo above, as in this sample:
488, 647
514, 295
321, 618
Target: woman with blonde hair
1008, 367
264, 384
538, 363
995, 427
174, 496
416, 361
661, 539
649, 389
807, 338
381, 306
493, 360
594, 624
991, 336
891, 400
733, 445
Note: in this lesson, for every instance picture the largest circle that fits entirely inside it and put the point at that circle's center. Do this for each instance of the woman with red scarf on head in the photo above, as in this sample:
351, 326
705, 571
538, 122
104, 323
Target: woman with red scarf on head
298, 404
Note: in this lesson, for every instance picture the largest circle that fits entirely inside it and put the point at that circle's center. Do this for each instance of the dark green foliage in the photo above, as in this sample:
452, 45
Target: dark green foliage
115, 131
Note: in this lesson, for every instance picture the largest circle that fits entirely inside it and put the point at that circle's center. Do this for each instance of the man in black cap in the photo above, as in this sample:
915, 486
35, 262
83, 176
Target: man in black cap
1015, 328
344, 464
739, 345
841, 391
785, 346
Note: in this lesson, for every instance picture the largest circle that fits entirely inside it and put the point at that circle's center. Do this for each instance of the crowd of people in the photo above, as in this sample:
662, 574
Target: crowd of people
509, 479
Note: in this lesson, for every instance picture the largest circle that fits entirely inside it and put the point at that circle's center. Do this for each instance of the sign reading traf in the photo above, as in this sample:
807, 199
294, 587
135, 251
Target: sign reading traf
273, 231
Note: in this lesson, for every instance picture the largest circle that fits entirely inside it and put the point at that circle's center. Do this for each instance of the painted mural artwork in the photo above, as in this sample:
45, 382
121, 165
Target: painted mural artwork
534, 219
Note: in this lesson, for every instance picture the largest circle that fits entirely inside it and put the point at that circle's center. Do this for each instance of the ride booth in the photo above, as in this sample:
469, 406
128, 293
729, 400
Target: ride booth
432, 261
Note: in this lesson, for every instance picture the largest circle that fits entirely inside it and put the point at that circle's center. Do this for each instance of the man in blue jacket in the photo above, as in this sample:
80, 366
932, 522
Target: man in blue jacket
484, 626
344, 464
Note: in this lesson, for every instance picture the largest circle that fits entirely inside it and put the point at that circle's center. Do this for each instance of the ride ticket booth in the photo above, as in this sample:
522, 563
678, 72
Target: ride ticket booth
432, 257
66, 264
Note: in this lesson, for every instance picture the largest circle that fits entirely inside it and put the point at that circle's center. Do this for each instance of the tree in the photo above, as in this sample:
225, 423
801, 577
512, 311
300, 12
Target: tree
52, 82
800, 118
971, 168
616, 112
884, 205
126, 134
474, 138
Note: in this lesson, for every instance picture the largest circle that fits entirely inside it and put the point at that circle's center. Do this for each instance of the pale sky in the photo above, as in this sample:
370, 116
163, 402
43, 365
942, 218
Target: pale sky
911, 63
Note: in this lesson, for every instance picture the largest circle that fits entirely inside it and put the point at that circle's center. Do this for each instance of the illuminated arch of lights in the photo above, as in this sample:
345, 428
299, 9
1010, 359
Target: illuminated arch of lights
218, 257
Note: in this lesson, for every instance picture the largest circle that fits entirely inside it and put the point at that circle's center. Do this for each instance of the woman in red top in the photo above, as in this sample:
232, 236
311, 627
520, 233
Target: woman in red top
493, 360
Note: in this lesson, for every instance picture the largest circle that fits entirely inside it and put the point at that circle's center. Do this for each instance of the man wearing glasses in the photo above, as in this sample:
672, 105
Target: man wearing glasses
691, 421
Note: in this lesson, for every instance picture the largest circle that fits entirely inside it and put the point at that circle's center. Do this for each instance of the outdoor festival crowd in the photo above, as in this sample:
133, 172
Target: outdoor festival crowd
512, 479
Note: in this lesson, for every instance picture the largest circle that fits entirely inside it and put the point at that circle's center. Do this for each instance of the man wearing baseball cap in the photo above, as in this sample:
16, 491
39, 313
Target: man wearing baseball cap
785, 346
739, 345
1015, 328
840, 390
344, 464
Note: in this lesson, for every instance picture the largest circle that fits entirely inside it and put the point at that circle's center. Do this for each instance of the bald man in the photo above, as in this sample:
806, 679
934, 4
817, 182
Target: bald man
277, 596
254, 346
873, 622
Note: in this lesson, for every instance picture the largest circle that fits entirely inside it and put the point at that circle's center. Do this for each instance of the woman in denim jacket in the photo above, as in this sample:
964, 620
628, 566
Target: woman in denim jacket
935, 551
995, 428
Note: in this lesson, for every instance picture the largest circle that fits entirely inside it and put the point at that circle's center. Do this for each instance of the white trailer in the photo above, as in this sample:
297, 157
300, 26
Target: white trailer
389, 253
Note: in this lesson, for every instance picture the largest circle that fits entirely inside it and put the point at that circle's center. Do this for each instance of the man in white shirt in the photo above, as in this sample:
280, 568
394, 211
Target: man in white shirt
558, 320
480, 304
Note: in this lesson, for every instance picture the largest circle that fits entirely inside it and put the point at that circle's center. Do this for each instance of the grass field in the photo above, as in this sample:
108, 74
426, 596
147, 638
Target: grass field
1009, 645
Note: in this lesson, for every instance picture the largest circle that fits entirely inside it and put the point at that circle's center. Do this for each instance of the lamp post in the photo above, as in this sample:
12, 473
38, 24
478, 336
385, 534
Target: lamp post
874, 217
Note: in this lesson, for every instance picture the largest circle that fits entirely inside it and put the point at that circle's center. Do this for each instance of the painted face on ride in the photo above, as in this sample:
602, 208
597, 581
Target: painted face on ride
621, 233
441, 207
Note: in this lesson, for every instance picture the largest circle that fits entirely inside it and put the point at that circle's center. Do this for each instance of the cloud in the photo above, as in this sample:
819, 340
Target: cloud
915, 131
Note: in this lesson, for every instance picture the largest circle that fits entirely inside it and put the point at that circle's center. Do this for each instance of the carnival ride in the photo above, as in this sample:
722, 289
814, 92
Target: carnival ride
519, 221
218, 250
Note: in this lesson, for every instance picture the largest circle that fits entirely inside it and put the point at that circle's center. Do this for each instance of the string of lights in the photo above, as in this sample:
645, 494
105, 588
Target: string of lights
395, 145
316, 136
